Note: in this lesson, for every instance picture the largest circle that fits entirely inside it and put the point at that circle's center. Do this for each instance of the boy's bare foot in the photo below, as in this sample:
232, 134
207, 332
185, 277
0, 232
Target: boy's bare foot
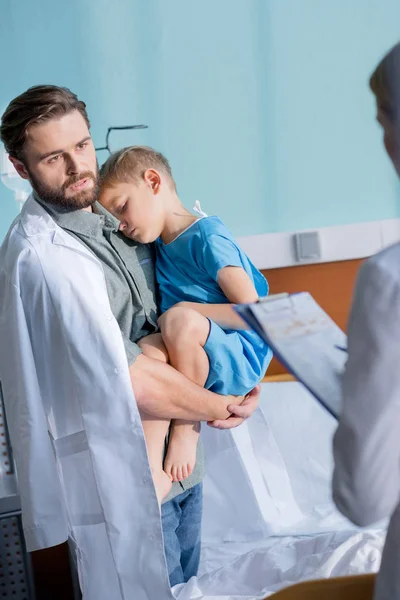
181, 455
162, 483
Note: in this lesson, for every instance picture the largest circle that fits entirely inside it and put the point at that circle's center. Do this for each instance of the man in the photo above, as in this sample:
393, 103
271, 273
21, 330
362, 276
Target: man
77, 297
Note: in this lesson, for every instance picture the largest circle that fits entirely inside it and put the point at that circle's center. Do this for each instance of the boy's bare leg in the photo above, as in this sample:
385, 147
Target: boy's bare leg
185, 333
155, 430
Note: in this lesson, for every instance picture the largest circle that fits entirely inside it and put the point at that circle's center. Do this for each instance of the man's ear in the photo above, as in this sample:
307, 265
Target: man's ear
19, 167
153, 179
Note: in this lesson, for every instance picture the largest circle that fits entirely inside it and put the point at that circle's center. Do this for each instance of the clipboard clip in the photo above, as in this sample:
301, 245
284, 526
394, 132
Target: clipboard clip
273, 297
277, 302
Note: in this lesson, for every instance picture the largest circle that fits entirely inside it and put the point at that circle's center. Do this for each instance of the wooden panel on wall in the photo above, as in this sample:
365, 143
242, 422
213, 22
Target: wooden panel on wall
331, 284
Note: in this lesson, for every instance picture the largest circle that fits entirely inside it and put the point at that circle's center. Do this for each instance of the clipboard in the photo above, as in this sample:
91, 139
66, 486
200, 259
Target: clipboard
305, 340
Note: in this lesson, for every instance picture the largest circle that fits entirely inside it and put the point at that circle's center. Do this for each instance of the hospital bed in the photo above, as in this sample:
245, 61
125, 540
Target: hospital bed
269, 519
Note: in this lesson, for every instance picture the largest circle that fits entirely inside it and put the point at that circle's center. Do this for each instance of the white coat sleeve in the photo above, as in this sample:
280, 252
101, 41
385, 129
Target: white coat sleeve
43, 511
366, 481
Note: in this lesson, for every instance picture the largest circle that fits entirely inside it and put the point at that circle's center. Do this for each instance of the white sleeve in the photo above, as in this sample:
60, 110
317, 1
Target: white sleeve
43, 511
366, 481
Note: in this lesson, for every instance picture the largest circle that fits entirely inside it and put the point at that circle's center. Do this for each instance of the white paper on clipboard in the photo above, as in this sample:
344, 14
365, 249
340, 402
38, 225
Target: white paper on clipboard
305, 339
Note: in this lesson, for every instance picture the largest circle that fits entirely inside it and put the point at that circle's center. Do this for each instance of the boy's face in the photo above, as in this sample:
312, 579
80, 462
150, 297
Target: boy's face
138, 206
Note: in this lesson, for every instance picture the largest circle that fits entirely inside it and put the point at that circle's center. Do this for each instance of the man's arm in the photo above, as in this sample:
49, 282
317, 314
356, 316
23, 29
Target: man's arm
366, 482
163, 392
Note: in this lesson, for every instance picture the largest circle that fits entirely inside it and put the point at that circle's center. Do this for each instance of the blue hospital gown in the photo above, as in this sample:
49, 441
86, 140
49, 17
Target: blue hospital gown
187, 270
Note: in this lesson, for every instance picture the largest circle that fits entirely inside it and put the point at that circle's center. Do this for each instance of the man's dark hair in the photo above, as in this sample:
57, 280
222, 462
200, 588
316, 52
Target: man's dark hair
37, 105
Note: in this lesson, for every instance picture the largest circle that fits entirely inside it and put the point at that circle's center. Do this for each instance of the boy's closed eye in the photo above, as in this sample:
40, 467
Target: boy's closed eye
121, 208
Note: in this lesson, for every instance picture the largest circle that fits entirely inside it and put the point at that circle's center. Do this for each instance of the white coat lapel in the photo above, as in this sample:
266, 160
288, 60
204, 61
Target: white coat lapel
36, 221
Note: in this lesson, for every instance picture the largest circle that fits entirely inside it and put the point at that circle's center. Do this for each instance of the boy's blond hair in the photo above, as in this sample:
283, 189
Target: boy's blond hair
385, 83
130, 164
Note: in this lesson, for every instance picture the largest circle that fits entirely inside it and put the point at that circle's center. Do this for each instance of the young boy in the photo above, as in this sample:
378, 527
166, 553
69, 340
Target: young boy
201, 272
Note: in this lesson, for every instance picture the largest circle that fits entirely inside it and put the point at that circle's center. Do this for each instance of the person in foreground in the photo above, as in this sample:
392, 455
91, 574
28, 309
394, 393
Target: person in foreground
201, 272
76, 296
366, 480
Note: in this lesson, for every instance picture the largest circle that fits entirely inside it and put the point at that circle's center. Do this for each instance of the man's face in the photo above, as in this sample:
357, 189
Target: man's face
60, 162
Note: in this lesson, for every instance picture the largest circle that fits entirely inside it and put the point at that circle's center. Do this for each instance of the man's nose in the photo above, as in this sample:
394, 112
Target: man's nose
73, 165
122, 226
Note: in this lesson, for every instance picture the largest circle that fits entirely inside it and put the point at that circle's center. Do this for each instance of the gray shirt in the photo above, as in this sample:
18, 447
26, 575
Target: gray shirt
130, 279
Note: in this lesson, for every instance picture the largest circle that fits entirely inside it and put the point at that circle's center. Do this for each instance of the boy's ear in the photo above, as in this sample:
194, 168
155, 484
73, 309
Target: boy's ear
19, 167
153, 179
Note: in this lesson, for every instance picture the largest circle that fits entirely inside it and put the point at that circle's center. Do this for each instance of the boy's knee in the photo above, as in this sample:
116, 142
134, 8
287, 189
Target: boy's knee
182, 324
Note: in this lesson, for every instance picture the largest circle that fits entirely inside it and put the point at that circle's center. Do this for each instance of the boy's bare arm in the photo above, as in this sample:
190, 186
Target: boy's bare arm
238, 289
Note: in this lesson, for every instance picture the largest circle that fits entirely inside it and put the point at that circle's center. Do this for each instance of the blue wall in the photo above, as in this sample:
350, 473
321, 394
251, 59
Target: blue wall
327, 159
262, 106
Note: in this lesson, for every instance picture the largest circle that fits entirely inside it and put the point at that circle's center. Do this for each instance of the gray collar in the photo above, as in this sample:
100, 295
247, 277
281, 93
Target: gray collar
81, 221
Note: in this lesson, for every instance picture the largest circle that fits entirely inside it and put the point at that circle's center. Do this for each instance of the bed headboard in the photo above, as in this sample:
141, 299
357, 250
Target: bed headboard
331, 284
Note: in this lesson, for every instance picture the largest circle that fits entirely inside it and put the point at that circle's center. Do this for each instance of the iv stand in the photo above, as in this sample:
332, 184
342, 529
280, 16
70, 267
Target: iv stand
120, 128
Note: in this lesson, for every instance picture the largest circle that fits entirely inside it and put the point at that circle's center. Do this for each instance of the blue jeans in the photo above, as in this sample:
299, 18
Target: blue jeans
181, 522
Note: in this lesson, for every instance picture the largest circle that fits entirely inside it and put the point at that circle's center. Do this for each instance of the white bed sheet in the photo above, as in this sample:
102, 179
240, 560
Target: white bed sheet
269, 519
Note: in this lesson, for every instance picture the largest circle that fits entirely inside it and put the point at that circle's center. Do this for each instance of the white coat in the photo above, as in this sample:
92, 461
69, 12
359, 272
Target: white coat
74, 425
366, 482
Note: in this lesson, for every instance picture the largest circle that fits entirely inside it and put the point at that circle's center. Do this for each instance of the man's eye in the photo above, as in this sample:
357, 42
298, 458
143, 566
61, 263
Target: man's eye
54, 159
123, 207
82, 146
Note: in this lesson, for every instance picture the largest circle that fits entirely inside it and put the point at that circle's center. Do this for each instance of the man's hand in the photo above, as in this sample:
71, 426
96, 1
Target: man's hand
239, 412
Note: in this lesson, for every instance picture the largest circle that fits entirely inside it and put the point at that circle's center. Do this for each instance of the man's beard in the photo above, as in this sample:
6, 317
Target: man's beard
57, 196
